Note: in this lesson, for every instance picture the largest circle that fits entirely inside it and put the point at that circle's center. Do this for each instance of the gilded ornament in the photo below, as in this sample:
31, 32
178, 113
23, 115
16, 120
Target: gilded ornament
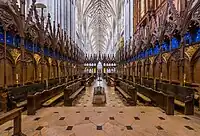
151, 59
189, 51
37, 58
15, 53
50, 61
166, 56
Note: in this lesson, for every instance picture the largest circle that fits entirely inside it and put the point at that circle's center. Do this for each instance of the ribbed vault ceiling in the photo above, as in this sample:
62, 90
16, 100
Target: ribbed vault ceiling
99, 15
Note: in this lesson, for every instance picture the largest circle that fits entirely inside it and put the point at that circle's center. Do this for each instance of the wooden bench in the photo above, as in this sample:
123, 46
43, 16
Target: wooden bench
75, 94
44, 98
16, 116
71, 92
53, 82
53, 100
163, 100
148, 82
89, 80
145, 98
110, 81
184, 96
18, 96
137, 80
127, 91
124, 94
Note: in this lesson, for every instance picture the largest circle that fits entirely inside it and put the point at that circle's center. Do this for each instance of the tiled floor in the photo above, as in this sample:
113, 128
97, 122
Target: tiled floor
115, 118
105, 121
112, 98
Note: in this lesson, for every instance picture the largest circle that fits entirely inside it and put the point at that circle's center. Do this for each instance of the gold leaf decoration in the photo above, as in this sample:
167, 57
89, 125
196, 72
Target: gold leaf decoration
15, 53
189, 51
166, 56
152, 59
37, 58
50, 61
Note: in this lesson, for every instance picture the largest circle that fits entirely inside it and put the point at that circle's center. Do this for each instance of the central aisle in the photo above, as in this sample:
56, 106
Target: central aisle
112, 97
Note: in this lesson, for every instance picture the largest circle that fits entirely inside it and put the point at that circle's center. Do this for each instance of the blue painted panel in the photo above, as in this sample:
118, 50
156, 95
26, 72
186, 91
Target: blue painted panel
198, 35
29, 45
156, 49
9, 38
165, 46
188, 38
51, 53
175, 43
17, 40
35, 47
46, 51
38, 50
150, 51
146, 53
1, 37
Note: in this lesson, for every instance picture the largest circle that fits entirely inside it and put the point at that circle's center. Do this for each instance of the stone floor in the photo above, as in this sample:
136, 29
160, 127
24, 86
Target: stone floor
113, 99
115, 118
105, 121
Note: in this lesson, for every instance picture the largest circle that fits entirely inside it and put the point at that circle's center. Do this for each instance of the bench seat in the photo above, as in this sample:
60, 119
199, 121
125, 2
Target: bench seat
145, 98
21, 104
179, 103
52, 100
123, 93
73, 96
